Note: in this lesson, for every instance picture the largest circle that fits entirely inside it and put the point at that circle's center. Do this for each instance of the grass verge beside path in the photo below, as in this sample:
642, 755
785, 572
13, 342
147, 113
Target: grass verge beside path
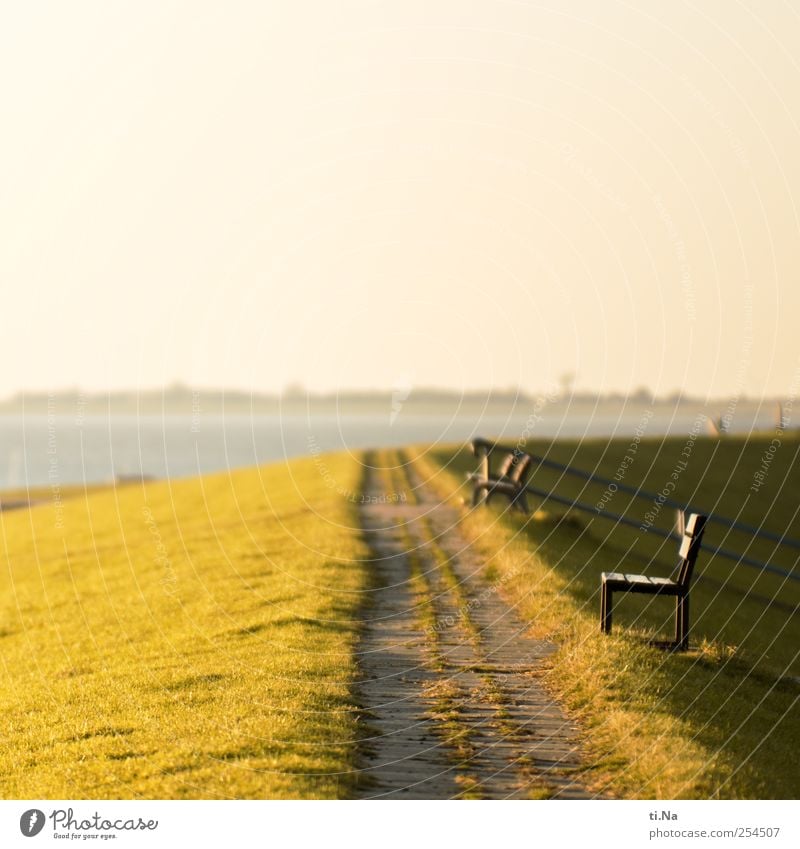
721, 720
184, 639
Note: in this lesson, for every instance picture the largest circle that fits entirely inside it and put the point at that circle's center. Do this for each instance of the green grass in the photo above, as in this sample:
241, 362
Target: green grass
719, 721
187, 639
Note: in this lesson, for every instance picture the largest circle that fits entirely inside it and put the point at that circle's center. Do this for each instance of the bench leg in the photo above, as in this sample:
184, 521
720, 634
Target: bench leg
520, 502
480, 494
605, 609
485, 463
682, 622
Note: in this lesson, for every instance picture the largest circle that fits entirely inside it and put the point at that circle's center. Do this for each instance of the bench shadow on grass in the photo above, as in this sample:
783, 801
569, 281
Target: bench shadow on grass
741, 713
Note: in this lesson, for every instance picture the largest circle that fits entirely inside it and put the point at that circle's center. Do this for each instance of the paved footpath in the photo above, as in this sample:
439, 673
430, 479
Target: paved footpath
448, 681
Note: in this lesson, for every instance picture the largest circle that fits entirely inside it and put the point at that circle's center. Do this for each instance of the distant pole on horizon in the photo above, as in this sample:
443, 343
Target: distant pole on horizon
781, 422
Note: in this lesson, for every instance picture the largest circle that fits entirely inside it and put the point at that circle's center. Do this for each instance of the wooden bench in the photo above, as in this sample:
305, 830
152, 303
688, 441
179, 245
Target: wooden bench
612, 582
510, 479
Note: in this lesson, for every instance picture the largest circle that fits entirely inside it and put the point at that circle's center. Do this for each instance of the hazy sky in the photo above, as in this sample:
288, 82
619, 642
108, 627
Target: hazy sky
356, 194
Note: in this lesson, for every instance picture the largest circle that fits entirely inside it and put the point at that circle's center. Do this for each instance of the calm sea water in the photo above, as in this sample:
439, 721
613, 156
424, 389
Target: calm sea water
41, 450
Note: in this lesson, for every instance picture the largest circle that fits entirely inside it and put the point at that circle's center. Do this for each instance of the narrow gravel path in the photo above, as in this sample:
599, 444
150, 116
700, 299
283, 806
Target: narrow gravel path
448, 681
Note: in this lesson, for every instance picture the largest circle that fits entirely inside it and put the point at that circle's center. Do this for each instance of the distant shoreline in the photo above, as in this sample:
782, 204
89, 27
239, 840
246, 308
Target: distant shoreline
422, 402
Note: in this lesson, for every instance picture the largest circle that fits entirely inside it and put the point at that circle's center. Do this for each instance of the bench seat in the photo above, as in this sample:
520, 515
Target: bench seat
640, 583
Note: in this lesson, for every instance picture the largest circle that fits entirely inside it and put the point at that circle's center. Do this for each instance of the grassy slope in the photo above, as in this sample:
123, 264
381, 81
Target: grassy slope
713, 722
184, 639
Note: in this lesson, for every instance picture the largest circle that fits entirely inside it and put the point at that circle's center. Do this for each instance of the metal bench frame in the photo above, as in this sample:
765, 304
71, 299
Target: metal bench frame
612, 582
510, 480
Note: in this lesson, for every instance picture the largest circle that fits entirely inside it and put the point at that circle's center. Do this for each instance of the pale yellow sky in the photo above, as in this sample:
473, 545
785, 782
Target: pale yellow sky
446, 192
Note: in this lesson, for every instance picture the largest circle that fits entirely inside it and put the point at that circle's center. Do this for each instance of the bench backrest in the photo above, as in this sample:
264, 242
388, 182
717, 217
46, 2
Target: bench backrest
690, 547
506, 465
521, 468
514, 466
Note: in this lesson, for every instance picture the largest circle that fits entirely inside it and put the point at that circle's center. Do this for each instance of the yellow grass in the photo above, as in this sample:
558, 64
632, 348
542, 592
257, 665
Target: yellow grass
183, 639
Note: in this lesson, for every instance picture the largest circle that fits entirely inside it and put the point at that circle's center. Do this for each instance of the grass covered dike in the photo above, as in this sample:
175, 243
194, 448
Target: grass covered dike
721, 721
197, 638
184, 639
